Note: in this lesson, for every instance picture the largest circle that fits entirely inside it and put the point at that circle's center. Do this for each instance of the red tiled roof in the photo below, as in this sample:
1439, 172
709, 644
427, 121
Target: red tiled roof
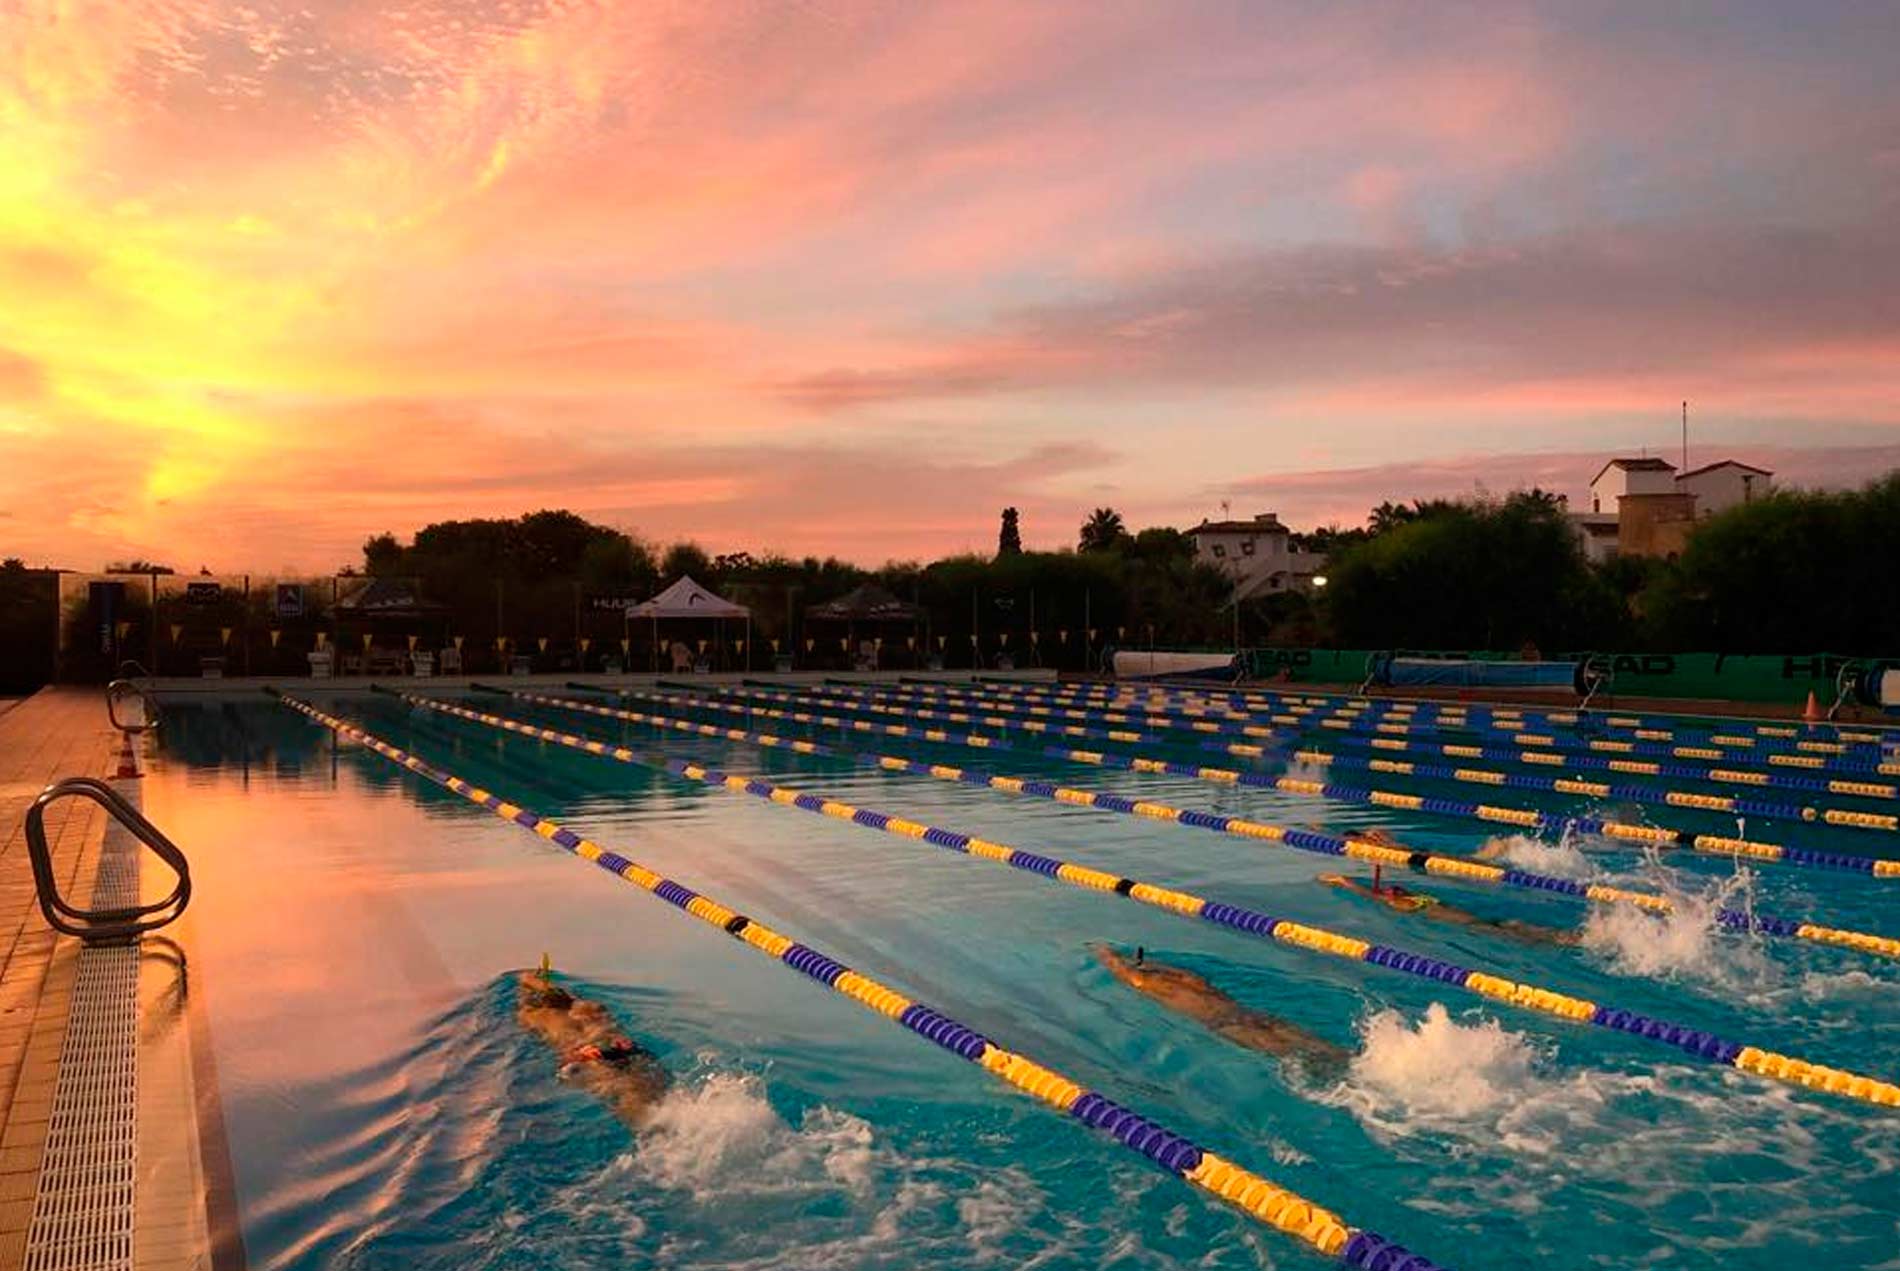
1634, 465
1725, 463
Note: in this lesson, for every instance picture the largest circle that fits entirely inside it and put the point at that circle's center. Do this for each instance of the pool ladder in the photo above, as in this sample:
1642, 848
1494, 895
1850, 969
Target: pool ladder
118, 924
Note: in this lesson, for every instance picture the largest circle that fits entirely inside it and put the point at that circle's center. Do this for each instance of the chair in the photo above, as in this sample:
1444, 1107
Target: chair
422, 664
322, 664
449, 661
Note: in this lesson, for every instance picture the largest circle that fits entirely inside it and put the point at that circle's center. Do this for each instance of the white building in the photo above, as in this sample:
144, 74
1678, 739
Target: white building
1644, 507
1630, 476
1257, 555
1596, 532
1717, 487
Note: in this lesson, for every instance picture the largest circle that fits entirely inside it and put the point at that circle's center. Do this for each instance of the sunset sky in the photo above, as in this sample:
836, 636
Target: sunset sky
842, 277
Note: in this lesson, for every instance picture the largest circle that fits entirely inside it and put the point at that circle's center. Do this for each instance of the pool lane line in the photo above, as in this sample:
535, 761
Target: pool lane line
1829, 738
1786, 742
1252, 1193
1690, 1041
1661, 837
1844, 739
1744, 731
1319, 842
1745, 769
1733, 804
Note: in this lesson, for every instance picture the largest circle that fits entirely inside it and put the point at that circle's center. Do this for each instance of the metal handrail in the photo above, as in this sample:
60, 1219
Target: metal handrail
96, 926
124, 690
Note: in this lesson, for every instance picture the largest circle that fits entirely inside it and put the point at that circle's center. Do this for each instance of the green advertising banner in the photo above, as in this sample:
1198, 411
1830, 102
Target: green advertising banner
1754, 677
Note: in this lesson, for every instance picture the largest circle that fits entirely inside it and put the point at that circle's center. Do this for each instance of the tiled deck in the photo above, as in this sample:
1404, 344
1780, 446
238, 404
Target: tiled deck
60, 733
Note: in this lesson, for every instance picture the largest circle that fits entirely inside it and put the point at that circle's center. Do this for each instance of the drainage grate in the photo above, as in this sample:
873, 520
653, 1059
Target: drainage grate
82, 1214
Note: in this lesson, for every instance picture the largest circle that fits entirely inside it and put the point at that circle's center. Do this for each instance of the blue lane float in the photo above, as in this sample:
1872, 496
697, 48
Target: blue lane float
1252, 1193
1497, 988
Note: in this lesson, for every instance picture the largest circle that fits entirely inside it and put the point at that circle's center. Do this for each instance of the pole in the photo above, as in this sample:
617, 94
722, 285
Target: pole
247, 638
1034, 659
1685, 436
1236, 603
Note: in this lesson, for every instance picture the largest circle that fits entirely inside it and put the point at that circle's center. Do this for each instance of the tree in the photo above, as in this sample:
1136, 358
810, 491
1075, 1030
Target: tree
1009, 541
1389, 516
685, 558
1103, 531
1479, 575
1795, 572
1161, 544
138, 567
382, 555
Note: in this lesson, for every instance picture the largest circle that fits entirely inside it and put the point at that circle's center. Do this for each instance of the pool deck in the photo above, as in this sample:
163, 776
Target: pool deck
62, 732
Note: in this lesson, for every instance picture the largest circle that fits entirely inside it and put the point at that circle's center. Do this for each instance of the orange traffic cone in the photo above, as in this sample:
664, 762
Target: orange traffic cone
1812, 711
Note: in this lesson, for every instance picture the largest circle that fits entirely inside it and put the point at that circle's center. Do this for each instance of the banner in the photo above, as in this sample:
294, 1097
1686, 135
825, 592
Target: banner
1739, 677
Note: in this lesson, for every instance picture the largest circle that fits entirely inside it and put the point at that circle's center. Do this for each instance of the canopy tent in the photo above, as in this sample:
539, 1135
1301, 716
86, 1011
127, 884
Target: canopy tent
687, 599
867, 605
390, 607
389, 598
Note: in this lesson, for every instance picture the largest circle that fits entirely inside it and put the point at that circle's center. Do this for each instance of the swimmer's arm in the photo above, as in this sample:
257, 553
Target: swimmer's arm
1357, 889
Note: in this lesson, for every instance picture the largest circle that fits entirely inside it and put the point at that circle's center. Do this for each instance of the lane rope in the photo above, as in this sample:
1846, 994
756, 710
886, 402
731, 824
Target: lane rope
1531, 819
1316, 841
1252, 1193
1690, 1041
1732, 804
1585, 753
1740, 733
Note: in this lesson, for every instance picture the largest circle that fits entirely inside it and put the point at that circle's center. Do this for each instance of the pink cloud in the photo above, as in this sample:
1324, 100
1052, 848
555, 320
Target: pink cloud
849, 277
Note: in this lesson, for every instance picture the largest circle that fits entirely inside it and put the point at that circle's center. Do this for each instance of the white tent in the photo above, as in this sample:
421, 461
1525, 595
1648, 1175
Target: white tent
687, 599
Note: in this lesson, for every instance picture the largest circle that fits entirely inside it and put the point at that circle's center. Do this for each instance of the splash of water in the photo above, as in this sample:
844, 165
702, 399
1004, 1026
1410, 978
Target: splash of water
1562, 859
720, 1134
1686, 943
1439, 1069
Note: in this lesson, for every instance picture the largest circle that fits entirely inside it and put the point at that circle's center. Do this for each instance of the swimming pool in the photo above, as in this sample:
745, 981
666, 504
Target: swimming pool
354, 928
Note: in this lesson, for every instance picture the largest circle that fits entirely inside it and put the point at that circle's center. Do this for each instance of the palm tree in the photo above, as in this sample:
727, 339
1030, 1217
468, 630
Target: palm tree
1103, 530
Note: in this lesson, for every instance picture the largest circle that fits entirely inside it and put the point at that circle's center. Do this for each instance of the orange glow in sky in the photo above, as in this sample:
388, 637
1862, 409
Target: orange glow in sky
850, 277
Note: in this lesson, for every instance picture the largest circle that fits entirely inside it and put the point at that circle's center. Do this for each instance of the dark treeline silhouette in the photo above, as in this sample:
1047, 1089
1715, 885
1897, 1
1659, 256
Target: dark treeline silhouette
1797, 570
540, 576
1794, 571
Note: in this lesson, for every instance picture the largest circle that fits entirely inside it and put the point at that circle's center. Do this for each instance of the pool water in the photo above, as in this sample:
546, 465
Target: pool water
356, 928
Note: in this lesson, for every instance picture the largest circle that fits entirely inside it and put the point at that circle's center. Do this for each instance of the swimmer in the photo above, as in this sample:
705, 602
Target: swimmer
595, 1055
1191, 995
1405, 900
